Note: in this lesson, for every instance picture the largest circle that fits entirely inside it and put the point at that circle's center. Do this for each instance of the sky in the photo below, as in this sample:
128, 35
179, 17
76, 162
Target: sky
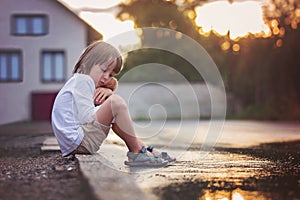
240, 17
105, 21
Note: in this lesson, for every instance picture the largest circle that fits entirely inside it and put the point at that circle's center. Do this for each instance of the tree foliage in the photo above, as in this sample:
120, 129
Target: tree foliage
157, 13
262, 79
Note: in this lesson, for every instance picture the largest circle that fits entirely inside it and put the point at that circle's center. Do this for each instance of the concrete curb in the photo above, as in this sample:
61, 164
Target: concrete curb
106, 182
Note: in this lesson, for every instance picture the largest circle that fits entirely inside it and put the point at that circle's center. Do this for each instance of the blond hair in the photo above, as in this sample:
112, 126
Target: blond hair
98, 53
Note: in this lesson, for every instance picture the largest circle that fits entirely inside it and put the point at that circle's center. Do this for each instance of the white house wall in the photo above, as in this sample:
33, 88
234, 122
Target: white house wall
66, 32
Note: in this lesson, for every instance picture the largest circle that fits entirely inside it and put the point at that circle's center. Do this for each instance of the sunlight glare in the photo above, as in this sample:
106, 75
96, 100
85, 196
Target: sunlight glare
92, 3
109, 26
104, 22
237, 196
238, 18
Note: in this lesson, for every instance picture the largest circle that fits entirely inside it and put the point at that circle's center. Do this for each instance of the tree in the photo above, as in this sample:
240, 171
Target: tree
163, 14
158, 13
263, 76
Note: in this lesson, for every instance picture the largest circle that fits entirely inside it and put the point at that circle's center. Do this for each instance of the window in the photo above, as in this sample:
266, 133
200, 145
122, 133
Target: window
29, 25
10, 66
53, 66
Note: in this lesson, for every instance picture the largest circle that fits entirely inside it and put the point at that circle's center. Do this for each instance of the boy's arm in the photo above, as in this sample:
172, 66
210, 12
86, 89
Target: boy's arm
103, 92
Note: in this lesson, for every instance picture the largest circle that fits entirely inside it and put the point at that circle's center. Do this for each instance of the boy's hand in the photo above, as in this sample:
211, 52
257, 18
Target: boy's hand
112, 84
101, 94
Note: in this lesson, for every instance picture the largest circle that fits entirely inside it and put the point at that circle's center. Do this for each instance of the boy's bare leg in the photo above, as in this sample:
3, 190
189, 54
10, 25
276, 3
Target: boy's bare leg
115, 108
129, 139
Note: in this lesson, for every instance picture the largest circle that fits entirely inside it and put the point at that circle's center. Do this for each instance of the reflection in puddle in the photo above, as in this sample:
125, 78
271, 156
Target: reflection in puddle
230, 175
236, 194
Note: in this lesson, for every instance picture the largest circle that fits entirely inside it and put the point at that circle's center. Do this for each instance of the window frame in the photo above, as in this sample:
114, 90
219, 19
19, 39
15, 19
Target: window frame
53, 78
9, 53
29, 30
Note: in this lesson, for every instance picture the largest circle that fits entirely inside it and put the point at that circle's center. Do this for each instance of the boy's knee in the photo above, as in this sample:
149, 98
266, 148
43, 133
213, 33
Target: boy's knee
118, 102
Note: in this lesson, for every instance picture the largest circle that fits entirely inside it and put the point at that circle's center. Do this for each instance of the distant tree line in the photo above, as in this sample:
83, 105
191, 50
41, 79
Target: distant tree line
262, 79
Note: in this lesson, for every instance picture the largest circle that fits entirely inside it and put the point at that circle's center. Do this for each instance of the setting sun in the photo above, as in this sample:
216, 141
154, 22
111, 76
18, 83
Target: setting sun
237, 19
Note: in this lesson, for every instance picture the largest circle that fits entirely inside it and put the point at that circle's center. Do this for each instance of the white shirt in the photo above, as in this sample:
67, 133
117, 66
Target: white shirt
73, 107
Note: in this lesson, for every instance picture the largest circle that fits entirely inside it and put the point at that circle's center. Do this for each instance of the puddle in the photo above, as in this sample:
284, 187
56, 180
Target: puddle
236, 194
284, 188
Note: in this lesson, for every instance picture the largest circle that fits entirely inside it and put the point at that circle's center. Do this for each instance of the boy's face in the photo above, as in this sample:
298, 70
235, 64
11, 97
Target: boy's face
102, 74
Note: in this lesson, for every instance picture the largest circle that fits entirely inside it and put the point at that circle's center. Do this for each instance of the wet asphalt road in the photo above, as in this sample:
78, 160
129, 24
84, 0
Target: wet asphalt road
270, 171
249, 160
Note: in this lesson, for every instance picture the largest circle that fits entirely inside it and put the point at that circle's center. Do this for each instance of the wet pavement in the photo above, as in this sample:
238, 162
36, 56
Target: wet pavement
244, 160
248, 160
234, 174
